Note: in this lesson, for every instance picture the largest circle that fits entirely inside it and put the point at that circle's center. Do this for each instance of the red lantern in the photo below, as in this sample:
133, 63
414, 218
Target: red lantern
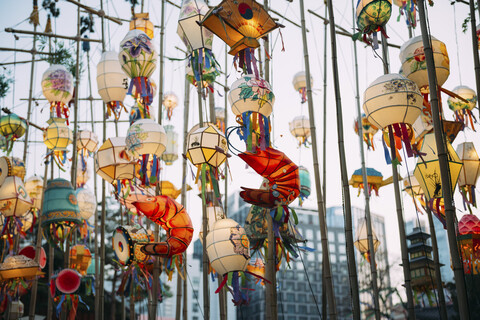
469, 243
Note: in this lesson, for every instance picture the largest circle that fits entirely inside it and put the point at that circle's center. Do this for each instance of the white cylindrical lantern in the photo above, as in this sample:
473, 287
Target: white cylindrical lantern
300, 128
414, 65
34, 188
228, 247
192, 34
471, 164
57, 84
145, 136
112, 82
250, 93
171, 152
137, 56
14, 199
466, 93
391, 99
207, 145
87, 140
111, 161
86, 203
58, 135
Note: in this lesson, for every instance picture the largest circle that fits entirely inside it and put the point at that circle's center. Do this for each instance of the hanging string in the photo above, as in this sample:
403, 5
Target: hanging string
456, 42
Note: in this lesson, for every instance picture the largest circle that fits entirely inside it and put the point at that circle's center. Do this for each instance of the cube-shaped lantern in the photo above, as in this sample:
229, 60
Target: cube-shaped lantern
207, 145
58, 135
111, 161
87, 140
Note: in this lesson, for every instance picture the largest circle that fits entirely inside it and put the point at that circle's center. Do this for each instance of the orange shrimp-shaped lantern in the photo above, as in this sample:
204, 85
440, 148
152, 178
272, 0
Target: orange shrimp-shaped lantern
172, 217
282, 175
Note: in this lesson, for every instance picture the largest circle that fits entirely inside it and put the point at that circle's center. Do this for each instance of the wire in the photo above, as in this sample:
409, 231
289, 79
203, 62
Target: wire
456, 42
193, 289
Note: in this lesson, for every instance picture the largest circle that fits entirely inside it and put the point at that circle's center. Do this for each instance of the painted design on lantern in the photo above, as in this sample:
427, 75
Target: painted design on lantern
262, 92
7, 205
245, 11
435, 181
418, 61
240, 241
138, 45
378, 13
59, 82
457, 104
135, 137
21, 191
394, 86
72, 199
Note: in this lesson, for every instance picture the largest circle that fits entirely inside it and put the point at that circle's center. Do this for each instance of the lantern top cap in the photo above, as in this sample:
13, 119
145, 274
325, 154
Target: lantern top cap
109, 55
414, 40
388, 77
59, 183
469, 224
302, 117
370, 172
192, 8
157, 126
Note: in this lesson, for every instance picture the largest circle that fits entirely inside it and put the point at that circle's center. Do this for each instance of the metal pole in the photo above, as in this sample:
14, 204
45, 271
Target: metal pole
38, 247
332, 308
444, 168
30, 94
368, 219
476, 59
75, 107
399, 210
352, 270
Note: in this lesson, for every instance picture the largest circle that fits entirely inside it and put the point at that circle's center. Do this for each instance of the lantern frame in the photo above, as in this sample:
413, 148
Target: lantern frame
207, 145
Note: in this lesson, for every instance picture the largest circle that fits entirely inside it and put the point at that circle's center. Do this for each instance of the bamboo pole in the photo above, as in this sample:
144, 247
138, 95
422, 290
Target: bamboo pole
38, 247
368, 219
320, 200
476, 58
50, 35
399, 210
450, 211
33, 51
99, 13
225, 101
352, 270
75, 107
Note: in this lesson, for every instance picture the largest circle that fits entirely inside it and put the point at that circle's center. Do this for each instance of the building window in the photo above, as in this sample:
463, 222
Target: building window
332, 248
309, 234
291, 309
341, 249
341, 237
331, 236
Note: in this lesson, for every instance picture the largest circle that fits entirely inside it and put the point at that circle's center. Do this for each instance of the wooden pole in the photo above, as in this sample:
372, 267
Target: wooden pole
368, 219
320, 200
225, 101
352, 270
399, 210
476, 58
75, 106
450, 211
50, 35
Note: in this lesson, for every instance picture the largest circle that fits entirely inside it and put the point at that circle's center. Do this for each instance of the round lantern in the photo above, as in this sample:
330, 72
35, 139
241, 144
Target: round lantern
228, 247
30, 251
368, 130
171, 152
34, 188
68, 281
112, 82
57, 87
111, 161
137, 57
87, 140
12, 127
414, 66
470, 171
300, 84
14, 199
141, 21
207, 145
372, 15
58, 135
300, 129
251, 94
60, 210
86, 203
18, 267
305, 184
462, 109
392, 99
170, 102
145, 136
80, 258
11, 166
468, 240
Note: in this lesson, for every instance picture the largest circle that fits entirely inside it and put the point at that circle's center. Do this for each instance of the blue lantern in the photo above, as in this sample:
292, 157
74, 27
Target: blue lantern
305, 184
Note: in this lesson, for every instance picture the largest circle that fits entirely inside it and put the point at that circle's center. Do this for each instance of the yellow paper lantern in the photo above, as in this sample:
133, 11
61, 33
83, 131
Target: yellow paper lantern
12, 127
207, 145
373, 14
361, 240
427, 170
300, 129
58, 135
141, 21
80, 258
414, 65
470, 172
171, 152
112, 163
34, 188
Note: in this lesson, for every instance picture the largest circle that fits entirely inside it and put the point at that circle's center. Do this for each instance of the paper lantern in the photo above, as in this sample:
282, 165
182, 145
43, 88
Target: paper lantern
468, 240
57, 87
228, 247
411, 185
60, 210
12, 128
11, 166
111, 161
137, 57
34, 188
80, 258
112, 82
214, 214
427, 170
207, 145
87, 203
239, 23
68, 281
30, 251
250, 93
462, 109
58, 135
368, 129
83, 175
414, 65
171, 151
300, 84
374, 179
300, 129
127, 242
170, 102
87, 140
141, 21
145, 136
14, 199
408, 10
373, 15
305, 184
470, 171
19, 266
361, 240
192, 34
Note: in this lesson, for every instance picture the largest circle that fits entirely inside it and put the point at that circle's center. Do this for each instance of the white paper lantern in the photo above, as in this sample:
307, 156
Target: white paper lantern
145, 136
300, 80
194, 36
34, 188
58, 135
14, 199
83, 175
57, 84
414, 64
207, 145
112, 162
411, 185
170, 100
471, 164
86, 203
87, 140
171, 152
137, 56
250, 93
300, 128
391, 99
228, 247
466, 93
112, 82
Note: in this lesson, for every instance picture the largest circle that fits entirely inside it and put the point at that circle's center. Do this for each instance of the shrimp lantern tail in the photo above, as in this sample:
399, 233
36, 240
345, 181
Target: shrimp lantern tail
258, 197
176, 243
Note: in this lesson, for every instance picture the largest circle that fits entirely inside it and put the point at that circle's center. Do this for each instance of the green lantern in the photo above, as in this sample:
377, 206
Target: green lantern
305, 184
12, 127
60, 211
372, 16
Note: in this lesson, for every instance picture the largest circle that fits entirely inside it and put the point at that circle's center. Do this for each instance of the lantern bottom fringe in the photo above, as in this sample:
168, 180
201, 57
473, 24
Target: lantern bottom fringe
438, 209
58, 232
115, 108
139, 111
303, 94
466, 116
469, 198
143, 90
254, 131
409, 11
59, 109
397, 134
246, 61
11, 226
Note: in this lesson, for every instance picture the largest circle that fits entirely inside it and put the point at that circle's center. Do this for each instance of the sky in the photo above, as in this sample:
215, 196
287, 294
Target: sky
445, 24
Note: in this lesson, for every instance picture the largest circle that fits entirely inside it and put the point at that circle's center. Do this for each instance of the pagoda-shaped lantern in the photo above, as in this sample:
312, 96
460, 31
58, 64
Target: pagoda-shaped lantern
300, 129
470, 171
171, 151
141, 21
422, 268
468, 240
112, 82
361, 240
300, 84
57, 87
